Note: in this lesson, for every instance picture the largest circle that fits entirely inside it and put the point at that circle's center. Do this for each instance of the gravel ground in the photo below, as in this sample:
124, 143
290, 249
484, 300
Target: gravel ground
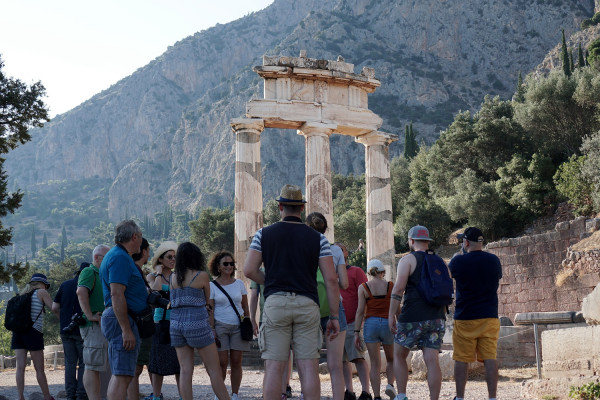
509, 387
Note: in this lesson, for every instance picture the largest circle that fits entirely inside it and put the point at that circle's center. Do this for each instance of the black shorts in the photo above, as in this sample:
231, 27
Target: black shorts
32, 340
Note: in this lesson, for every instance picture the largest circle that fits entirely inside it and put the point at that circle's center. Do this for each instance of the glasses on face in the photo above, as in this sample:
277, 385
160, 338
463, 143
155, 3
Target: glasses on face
169, 257
228, 264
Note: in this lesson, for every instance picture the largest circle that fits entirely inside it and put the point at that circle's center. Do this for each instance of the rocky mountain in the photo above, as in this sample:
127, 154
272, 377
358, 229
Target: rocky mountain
162, 136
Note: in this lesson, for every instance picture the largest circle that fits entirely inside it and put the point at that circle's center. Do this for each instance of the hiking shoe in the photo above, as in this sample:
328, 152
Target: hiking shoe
390, 391
349, 395
365, 396
288, 391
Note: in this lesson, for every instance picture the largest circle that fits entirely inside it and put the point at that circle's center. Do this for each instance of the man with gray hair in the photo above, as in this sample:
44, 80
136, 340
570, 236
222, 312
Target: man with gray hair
125, 293
95, 347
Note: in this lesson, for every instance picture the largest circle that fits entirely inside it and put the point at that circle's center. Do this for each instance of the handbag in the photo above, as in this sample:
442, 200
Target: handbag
144, 321
164, 329
246, 329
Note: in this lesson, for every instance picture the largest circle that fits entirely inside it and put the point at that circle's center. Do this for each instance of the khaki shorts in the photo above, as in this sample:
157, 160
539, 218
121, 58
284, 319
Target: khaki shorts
95, 348
351, 353
475, 339
290, 320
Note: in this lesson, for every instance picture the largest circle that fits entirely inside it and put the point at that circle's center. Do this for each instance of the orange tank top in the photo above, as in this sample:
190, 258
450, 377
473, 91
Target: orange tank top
378, 306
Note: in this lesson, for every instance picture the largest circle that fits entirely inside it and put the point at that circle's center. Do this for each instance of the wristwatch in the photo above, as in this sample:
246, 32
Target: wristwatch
334, 317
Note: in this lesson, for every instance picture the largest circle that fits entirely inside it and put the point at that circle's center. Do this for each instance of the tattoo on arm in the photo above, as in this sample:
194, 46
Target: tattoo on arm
396, 297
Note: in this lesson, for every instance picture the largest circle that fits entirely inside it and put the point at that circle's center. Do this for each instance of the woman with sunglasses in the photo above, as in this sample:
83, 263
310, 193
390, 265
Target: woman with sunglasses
163, 357
226, 319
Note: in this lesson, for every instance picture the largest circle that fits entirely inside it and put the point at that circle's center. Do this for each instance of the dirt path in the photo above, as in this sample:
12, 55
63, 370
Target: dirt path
509, 387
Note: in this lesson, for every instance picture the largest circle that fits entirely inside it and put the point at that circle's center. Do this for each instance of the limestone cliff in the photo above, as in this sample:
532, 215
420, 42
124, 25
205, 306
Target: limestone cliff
162, 134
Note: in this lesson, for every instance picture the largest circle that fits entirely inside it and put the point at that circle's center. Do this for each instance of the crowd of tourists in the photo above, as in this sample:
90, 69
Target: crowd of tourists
115, 318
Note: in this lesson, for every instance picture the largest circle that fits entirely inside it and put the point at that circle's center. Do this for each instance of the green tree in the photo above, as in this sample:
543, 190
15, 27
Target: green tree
580, 60
564, 57
593, 54
271, 213
5, 334
520, 93
104, 233
21, 108
213, 230
590, 169
63, 242
571, 184
410, 142
44, 241
33, 242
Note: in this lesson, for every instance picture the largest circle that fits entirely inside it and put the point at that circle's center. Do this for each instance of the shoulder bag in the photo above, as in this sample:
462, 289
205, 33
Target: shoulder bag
245, 323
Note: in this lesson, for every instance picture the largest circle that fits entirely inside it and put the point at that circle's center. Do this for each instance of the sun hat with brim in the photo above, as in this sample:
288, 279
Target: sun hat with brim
375, 263
40, 278
419, 232
291, 195
162, 249
472, 234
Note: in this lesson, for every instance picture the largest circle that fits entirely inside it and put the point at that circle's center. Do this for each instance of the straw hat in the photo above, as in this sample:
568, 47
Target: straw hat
162, 249
291, 195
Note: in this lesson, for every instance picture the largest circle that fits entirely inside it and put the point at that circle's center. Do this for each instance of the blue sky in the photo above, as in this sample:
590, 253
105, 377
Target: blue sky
78, 48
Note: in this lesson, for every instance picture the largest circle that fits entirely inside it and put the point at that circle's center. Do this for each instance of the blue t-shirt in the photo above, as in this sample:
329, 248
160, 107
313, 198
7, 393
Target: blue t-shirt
69, 303
118, 267
477, 275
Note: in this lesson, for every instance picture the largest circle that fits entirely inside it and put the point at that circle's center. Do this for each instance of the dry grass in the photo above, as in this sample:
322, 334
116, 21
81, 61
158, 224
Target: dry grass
590, 243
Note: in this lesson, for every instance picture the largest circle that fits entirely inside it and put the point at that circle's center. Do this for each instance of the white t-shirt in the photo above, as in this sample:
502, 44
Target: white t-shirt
223, 311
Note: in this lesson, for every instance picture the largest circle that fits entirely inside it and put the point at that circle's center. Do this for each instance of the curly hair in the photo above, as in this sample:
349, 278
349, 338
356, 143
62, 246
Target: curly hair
215, 260
189, 257
317, 221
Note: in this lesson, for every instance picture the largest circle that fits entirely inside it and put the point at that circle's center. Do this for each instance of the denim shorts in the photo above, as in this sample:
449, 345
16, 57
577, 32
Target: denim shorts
342, 320
122, 362
377, 330
422, 334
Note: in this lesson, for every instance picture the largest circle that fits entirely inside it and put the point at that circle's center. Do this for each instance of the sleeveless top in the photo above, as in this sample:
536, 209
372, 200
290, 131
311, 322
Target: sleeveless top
414, 307
36, 309
378, 306
188, 296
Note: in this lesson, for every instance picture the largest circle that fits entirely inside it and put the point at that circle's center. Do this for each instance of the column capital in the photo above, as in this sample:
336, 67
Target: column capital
376, 138
316, 128
242, 124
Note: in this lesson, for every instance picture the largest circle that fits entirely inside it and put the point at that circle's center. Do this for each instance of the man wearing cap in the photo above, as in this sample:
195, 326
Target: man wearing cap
95, 346
66, 305
420, 324
125, 293
476, 325
292, 252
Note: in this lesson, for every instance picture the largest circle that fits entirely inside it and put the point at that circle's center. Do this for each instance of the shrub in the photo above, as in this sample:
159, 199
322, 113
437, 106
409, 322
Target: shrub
589, 391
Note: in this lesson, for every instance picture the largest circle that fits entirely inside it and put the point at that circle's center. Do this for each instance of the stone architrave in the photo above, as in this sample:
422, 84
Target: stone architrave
248, 185
318, 172
380, 225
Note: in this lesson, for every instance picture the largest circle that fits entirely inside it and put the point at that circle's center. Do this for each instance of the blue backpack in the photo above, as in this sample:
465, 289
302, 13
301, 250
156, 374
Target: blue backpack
435, 286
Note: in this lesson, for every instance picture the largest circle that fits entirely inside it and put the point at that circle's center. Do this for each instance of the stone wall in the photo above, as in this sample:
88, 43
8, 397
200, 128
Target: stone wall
530, 265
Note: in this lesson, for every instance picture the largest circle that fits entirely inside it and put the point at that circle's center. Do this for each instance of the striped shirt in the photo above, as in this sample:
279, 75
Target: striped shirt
36, 309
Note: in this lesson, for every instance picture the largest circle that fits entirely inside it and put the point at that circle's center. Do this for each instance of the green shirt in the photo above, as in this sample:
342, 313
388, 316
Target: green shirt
90, 279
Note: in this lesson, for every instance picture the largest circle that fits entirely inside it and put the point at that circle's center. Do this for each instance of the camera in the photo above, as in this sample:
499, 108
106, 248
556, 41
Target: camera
158, 298
76, 321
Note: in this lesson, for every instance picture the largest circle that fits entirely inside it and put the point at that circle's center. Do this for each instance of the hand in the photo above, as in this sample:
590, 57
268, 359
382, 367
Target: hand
333, 329
357, 343
254, 327
128, 340
96, 317
392, 325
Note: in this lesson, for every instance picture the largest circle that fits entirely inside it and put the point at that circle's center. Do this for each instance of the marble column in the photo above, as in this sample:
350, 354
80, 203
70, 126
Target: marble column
318, 171
380, 225
248, 185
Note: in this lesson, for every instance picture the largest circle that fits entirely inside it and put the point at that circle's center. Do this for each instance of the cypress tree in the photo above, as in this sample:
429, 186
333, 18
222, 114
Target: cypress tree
44, 241
564, 56
63, 243
580, 60
520, 94
572, 65
410, 142
33, 242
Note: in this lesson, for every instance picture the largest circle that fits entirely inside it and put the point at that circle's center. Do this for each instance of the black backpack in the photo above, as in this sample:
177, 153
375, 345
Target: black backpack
18, 313
435, 286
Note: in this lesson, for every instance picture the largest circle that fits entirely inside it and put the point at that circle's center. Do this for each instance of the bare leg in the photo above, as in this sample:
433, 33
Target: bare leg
224, 362
133, 390
210, 358
362, 368
38, 363
287, 374
401, 367
117, 388
91, 383
236, 370
491, 376
461, 373
375, 357
335, 357
157, 382
21, 355
185, 355
309, 378
388, 349
348, 376
434, 372
273, 378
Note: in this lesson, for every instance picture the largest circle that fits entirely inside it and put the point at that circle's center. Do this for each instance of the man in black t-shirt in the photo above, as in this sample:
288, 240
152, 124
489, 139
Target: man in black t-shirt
476, 325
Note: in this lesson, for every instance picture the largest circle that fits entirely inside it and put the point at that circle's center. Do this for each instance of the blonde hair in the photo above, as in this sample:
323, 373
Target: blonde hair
373, 271
31, 286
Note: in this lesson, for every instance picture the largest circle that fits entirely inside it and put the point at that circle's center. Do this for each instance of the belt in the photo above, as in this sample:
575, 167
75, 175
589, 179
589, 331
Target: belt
285, 294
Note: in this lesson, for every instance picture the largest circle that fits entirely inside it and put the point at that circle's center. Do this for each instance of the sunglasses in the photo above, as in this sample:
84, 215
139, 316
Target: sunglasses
228, 264
169, 257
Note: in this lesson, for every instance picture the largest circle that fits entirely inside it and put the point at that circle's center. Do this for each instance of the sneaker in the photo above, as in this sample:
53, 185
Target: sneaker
301, 396
149, 397
377, 398
158, 397
288, 391
283, 396
390, 391
349, 395
365, 396
234, 396
398, 398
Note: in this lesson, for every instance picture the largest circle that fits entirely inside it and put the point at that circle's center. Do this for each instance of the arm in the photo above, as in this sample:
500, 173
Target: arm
342, 276
252, 267
83, 294
405, 267
44, 296
56, 308
360, 313
333, 294
119, 304
254, 293
157, 281
245, 306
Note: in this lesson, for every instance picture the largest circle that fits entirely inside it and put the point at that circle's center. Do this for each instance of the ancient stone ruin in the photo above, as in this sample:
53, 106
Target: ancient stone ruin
317, 98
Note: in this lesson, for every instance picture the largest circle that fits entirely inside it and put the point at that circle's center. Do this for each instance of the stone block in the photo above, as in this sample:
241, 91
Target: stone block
578, 226
419, 369
571, 352
562, 226
592, 225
